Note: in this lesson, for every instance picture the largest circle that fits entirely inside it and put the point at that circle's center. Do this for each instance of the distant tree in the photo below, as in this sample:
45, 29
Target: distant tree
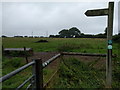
82, 34
57, 36
119, 32
105, 31
51, 36
4, 36
100, 35
19, 36
41, 36
116, 38
64, 33
36, 36
25, 36
54, 36
30, 36
72, 32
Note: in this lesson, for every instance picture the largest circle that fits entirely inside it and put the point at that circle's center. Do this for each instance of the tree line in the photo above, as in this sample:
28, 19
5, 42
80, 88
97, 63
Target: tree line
76, 33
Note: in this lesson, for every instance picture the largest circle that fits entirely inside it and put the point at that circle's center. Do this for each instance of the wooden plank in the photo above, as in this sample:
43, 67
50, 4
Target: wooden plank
97, 12
17, 49
86, 54
83, 54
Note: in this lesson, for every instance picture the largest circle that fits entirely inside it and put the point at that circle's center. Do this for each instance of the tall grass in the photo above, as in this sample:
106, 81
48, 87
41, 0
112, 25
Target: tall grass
59, 44
11, 64
76, 74
71, 46
56, 44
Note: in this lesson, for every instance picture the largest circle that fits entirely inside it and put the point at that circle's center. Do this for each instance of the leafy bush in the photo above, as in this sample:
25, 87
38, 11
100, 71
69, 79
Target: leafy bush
116, 38
70, 46
76, 74
66, 47
10, 64
16, 62
17, 53
116, 75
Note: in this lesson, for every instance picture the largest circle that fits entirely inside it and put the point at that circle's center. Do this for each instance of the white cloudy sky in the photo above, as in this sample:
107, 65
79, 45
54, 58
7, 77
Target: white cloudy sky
23, 18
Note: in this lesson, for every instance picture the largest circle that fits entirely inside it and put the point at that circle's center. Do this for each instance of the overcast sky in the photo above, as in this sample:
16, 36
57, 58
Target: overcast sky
49, 18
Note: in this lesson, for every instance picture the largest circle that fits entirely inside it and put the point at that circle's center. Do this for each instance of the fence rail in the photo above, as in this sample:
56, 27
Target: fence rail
51, 60
20, 86
37, 76
16, 71
86, 54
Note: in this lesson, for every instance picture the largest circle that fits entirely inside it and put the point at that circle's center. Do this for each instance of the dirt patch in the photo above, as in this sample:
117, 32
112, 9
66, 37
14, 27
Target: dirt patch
99, 61
54, 66
42, 55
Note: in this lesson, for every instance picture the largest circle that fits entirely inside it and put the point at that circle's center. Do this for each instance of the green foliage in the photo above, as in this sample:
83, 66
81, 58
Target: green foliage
47, 73
105, 31
86, 44
116, 74
116, 38
14, 54
10, 64
76, 74
64, 33
72, 32
15, 62
18, 79
70, 46
17, 53
66, 47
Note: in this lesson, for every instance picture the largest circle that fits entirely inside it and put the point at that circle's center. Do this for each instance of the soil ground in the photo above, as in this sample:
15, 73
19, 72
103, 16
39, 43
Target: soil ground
44, 56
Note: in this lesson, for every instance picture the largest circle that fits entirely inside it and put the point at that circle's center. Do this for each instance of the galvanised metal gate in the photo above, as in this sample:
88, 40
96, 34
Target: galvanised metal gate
37, 77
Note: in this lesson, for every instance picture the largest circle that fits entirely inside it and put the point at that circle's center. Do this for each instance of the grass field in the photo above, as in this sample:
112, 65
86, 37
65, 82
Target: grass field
83, 45
86, 45
74, 73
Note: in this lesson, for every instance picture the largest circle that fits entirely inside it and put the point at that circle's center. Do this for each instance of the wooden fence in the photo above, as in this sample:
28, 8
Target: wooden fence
37, 76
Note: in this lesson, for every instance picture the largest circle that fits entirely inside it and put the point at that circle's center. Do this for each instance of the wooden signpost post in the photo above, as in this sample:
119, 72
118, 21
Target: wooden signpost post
109, 12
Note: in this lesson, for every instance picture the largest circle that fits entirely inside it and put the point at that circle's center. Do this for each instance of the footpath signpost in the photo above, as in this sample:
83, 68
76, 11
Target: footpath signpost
109, 12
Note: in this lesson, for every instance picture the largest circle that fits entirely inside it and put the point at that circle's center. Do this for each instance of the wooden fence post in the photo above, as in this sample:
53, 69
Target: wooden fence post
25, 55
109, 40
2, 50
38, 74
